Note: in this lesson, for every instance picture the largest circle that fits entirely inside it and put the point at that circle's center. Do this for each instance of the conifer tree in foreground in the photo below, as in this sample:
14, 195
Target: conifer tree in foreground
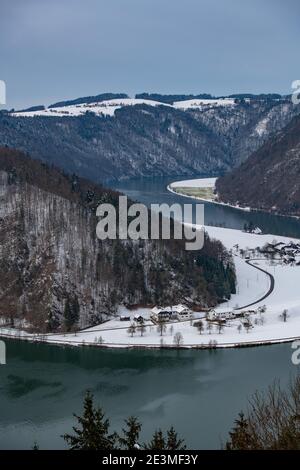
93, 430
157, 442
240, 436
272, 421
93, 433
173, 442
131, 434
170, 442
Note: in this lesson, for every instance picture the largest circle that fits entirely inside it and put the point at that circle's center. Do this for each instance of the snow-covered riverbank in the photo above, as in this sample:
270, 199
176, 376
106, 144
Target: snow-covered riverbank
185, 189
182, 188
268, 327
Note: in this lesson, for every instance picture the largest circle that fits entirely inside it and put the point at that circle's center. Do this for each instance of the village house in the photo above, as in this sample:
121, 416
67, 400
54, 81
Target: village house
225, 313
162, 313
174, 312
182, 312
220, 314
288, 252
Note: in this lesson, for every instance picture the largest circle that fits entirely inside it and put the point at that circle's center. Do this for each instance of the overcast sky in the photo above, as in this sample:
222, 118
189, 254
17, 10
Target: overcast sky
57, 49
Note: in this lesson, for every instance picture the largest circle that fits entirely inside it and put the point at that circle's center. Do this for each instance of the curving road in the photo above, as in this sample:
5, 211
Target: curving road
271, 288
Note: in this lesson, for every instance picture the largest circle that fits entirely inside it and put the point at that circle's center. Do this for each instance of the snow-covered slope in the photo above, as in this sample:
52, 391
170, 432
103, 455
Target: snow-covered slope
108, 108
105, 108
108, 137
201, 103
195, 183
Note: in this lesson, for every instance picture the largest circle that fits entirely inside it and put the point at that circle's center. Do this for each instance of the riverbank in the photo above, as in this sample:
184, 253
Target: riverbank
186, 187
202, 184
252, 285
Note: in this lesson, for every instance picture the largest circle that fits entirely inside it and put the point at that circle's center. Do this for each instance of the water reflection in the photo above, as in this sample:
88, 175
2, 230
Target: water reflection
153, 190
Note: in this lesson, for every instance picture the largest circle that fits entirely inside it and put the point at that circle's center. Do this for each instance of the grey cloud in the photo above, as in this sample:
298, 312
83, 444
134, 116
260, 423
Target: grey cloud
55, 49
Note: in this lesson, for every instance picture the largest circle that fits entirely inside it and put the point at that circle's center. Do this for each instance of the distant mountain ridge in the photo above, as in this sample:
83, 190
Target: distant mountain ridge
163, 98
170, 99
240, 96
270, 178
123, 137
89, 99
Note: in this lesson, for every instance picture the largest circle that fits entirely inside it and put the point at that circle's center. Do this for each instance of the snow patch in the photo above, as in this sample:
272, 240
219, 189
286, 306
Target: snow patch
109, 107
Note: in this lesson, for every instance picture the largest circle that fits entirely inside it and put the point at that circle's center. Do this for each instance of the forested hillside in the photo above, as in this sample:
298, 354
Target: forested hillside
270, 178
146, 140
56, 274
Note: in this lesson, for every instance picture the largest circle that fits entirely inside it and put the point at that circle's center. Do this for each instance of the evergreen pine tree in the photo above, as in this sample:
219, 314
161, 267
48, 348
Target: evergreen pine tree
240, 436
173, 443
68, 320
71, 312
76, 309
131, 433
93, 433
158, 441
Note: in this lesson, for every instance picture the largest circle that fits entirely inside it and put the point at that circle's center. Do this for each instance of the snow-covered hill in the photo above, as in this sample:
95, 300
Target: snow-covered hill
53, 267
112, 136
108, 107
202, 103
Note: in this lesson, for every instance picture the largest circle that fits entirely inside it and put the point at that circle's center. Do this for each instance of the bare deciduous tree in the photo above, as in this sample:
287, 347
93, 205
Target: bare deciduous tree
178, 339
284, 315
200, 327
272, 421
142, 329
161, 327
131, 330
220, 327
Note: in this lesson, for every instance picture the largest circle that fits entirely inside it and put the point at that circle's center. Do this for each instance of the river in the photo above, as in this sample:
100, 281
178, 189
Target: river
199, 392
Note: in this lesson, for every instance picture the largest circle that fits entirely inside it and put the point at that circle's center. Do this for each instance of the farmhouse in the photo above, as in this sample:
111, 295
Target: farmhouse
174, 312
181, 312
162, 313
124, 318
220, 314
224, 314
287, 252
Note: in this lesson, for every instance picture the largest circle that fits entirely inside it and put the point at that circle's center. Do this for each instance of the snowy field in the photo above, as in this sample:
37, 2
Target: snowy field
252, 285
201, 189
184, 188
104, 108
196, 183
108, 107
202, 103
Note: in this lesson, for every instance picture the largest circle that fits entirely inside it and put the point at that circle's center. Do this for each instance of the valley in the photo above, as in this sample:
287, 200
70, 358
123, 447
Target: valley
122, 138
252, 285
149, 231
146, 381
